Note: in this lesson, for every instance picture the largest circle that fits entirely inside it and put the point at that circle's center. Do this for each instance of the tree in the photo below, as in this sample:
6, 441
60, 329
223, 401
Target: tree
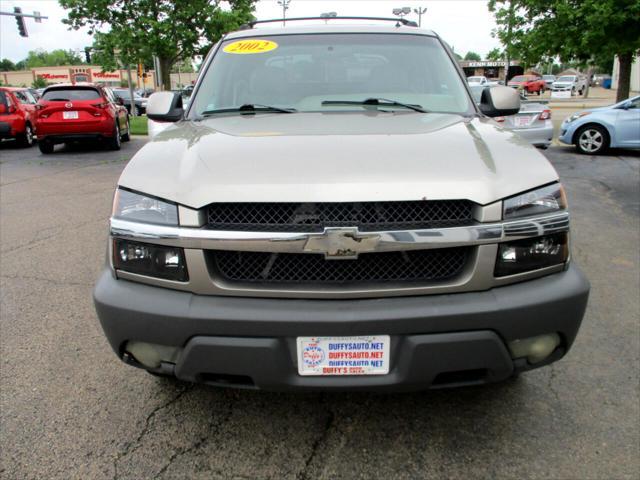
582, 31
495, 55
7, 65
472, 56
42, 58
39, 82
168, 29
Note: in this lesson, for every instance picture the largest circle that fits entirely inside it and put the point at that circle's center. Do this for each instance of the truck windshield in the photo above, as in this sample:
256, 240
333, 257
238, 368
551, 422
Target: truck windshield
302, 71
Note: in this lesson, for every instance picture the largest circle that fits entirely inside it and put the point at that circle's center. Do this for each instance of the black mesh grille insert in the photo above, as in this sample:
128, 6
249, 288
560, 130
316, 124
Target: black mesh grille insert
313, 217
410, 266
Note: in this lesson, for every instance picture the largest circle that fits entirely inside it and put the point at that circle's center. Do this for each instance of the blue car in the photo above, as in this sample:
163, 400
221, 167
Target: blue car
593, 131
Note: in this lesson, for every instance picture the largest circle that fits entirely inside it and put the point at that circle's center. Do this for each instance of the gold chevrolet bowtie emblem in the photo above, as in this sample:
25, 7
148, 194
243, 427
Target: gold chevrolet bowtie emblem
342, 243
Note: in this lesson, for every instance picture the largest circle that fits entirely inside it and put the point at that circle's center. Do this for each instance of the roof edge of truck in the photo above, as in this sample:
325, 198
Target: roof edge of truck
322, 28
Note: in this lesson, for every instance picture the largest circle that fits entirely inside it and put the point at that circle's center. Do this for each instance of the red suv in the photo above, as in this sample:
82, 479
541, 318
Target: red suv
69, 113
17, 108
529, 83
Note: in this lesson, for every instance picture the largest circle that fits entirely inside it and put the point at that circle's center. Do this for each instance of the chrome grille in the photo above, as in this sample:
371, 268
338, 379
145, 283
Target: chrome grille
280, 268
314, 217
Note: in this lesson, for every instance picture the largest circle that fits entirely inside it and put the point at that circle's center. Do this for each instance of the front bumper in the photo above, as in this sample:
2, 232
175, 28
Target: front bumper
436, 340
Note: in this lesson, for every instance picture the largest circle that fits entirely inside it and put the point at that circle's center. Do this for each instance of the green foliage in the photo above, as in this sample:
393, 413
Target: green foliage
583, 31
140, 29
39, 82
138, 125
570, 29
495, 55
42, 58
7, 65
472, 56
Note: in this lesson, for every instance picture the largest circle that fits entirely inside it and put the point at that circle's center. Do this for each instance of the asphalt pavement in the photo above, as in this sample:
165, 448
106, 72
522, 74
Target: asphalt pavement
70, 409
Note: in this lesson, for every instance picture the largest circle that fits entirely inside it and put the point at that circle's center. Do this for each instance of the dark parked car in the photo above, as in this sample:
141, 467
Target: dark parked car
125, 96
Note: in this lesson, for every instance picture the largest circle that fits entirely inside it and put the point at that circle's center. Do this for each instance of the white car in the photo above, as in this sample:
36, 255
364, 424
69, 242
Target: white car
574, 83
482, 81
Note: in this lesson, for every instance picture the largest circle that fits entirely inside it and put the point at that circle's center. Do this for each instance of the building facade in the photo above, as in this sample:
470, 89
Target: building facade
74, 74
490, 69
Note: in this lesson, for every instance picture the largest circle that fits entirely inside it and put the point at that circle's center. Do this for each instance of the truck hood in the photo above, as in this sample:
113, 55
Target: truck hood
336, 157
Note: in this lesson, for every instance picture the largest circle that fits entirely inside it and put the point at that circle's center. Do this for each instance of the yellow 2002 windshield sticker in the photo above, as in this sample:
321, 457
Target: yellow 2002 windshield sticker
245, 47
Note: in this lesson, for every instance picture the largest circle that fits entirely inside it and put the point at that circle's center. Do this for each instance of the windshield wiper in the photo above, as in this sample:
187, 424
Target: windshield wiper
376, 102
250, 108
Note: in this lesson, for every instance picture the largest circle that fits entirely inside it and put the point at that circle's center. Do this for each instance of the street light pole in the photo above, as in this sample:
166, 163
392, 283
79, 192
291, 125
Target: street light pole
420, 11
285, 6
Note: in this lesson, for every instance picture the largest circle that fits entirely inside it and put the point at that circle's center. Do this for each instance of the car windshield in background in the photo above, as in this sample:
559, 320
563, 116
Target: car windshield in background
565, 79
474, 79
70, 94
519, 78
302, 71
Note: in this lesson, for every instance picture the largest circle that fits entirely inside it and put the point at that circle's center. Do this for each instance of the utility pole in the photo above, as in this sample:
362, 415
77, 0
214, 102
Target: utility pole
420, 11
508, 45
285, 6
131, 99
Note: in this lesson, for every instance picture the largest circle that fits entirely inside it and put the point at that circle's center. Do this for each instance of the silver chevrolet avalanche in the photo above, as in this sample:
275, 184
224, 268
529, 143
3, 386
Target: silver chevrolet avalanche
334, 211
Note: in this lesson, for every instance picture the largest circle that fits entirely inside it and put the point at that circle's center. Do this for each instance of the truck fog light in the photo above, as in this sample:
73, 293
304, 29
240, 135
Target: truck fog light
150, 354
151, 260
535, 349
531, 254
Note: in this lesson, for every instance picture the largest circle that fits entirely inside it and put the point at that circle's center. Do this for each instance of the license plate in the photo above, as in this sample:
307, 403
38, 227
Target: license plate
72, 115
522, 121
362, 355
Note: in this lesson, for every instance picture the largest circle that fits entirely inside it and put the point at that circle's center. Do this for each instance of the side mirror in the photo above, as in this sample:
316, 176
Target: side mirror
165, 107
500, 101
3, 108
626, 106
120, 101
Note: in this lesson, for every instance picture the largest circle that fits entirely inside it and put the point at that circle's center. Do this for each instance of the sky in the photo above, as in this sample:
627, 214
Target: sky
464, 24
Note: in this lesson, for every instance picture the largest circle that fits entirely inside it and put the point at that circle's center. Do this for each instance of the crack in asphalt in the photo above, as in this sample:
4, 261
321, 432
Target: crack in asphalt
56, 281
315, 447
88, 165
550, 381
61, 229
215, 423
137, 443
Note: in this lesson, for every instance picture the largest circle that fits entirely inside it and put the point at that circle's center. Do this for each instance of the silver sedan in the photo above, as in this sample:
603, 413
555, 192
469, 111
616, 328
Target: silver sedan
532, 122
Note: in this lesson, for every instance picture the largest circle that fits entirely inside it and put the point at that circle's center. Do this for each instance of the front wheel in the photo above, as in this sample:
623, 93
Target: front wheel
115, 142
592, 140
26, 139
127, 136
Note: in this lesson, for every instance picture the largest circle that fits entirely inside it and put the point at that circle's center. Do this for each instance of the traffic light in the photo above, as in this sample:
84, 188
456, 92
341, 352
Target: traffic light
87, 54
22, 27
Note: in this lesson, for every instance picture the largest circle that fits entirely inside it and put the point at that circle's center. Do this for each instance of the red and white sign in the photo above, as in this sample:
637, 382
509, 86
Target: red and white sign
106, 76
54, 76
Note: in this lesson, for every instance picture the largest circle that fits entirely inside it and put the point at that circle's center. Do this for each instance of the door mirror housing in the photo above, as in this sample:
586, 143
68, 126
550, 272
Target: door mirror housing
165, 107
3, 108
499, 101
120, 100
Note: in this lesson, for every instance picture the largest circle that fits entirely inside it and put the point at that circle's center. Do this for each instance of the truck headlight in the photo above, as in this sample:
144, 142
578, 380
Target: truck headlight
532, 254
151, 260
547, 199
136, 207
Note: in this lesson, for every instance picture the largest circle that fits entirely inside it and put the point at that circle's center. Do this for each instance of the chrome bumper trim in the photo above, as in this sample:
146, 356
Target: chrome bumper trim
283, 242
